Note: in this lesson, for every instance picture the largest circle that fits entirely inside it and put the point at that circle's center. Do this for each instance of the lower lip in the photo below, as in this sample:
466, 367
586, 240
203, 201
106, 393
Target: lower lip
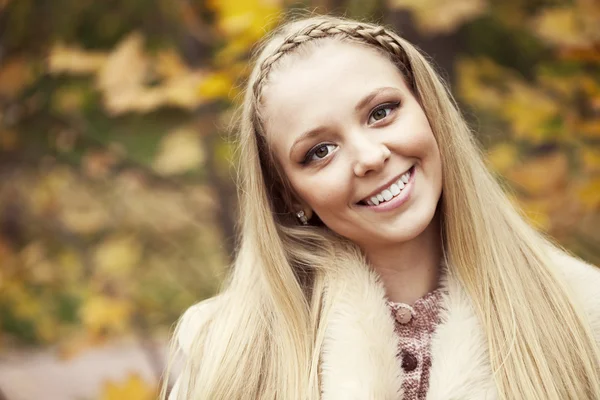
397, 201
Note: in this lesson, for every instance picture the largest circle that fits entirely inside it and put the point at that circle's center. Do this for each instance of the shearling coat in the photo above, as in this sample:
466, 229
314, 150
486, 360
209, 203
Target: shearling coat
358, 359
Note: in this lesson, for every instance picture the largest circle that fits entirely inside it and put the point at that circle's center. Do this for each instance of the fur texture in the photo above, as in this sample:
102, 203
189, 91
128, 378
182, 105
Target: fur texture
358, 358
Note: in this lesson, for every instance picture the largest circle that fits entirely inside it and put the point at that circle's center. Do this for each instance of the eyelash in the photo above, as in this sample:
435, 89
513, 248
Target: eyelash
311, 152
384, 106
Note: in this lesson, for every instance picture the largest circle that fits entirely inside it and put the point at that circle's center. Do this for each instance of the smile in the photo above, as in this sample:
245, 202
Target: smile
392, 193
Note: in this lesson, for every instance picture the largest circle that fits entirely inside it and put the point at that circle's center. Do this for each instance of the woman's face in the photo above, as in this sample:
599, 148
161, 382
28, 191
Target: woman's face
354, 143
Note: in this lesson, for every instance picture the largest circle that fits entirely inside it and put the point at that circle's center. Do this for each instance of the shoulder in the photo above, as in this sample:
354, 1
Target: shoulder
584, 281
193, 320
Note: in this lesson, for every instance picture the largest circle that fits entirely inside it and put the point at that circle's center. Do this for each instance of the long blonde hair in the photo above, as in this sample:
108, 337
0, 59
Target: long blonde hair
264, 340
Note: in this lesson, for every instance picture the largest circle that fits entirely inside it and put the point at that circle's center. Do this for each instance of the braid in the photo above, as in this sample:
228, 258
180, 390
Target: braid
373, 35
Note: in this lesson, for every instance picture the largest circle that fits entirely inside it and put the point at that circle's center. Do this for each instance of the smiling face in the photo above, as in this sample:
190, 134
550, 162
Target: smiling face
354, 143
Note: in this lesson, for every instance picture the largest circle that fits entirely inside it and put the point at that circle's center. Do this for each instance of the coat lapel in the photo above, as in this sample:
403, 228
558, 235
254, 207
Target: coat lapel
460, 362
359, 361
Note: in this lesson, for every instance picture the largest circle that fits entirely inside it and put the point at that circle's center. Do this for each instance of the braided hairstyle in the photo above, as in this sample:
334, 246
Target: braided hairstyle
377, 36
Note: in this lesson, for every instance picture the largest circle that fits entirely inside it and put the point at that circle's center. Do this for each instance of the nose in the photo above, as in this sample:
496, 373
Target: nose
371, 155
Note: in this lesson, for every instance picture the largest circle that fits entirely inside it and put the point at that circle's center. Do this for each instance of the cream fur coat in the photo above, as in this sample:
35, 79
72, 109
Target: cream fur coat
358, 360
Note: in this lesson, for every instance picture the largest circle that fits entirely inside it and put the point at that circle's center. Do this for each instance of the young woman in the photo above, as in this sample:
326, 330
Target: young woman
379, 259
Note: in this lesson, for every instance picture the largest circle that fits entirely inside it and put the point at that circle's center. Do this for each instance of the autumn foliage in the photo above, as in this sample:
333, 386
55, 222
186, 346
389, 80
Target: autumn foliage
117, 206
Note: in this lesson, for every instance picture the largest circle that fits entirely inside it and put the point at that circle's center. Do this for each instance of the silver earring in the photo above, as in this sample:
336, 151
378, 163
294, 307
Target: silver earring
302, 217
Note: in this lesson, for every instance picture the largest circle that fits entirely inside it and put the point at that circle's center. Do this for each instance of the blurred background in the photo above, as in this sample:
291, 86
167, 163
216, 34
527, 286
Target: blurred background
117, 200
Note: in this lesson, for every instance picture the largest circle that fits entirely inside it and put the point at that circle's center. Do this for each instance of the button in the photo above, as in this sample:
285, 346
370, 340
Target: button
403, 316
409, 361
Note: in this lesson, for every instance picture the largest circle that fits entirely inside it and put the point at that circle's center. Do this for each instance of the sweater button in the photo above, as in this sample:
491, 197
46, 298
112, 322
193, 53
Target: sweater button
409, 362
403, 316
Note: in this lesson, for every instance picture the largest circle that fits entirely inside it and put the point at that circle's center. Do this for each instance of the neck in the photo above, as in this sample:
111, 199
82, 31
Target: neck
411, 269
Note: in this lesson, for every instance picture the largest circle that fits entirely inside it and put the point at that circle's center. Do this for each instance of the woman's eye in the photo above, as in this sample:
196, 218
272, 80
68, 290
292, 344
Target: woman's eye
381, 112
319, 152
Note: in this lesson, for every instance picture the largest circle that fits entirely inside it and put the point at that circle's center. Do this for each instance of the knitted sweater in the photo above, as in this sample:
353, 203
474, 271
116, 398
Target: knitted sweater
415, 327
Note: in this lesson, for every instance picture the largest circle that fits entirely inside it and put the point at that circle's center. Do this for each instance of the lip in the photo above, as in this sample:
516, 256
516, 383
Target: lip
384, 186
397, 201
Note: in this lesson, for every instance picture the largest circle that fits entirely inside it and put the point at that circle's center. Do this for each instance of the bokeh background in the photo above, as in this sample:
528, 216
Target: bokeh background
117, 199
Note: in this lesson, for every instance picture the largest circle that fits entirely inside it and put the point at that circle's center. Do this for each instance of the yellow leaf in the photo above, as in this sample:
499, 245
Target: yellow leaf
170, 65
591, 159
565, 86
474, 77
180, 151
182, 91
122, 76
134, 388
502, 157
541, 175
589, 194
235, 49
562, 26
72, 60
216, 85
118, 255
125, 67
441, 16
101, 315
529, 110
250, 18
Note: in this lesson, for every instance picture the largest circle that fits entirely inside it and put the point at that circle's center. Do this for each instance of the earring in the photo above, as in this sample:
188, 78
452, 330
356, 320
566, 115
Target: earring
302, 217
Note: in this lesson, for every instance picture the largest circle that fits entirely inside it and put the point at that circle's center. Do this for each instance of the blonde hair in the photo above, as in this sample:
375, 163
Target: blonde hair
264, 340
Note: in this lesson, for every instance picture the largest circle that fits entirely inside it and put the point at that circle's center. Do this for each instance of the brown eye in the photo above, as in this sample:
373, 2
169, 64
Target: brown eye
322, 152
382, 112
319, 152
379, 114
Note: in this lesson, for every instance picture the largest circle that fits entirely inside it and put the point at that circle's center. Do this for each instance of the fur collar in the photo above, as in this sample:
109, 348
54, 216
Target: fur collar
358, 358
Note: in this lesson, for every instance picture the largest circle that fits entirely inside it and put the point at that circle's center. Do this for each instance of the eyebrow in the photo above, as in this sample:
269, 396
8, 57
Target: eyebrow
368, 98
359, 106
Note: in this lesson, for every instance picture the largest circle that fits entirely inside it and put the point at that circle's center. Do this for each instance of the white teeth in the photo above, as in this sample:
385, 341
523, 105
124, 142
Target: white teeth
387, 195
391, 192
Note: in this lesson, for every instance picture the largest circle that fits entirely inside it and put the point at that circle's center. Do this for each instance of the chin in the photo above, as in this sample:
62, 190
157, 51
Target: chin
402, 230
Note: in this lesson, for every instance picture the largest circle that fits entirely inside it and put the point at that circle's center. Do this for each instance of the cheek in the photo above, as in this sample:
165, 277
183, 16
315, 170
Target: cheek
324, 193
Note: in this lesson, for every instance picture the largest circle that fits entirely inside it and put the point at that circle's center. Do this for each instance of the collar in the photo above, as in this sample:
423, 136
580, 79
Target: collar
358, 358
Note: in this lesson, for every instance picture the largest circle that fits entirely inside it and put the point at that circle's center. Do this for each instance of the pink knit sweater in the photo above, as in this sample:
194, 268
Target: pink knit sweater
415, 327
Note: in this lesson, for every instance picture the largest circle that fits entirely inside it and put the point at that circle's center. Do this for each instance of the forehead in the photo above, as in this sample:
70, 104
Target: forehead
312, 88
